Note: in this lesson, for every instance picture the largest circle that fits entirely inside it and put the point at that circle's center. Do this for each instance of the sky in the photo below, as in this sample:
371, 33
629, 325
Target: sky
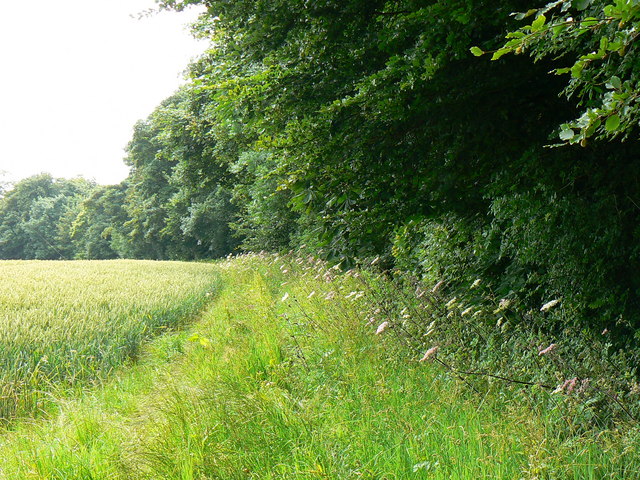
76, 75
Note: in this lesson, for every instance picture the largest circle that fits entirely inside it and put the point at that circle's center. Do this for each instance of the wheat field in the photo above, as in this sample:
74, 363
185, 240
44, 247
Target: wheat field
64, 324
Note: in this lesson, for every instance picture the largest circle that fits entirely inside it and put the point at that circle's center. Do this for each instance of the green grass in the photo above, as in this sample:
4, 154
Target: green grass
64, 323
282, 378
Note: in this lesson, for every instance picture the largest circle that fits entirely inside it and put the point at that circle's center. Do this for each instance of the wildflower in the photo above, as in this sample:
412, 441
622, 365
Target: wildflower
504, 304
383, 326
311, 294
550, 305
330, 296
375, 260
584, 385
371, 320
450, 304
285, 296
437, 286
430, 328
429, 353
549, 349
467, 311
476, 283
605, 331
568, 386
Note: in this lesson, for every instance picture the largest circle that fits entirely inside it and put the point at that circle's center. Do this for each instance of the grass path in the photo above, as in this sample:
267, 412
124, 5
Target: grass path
281, 378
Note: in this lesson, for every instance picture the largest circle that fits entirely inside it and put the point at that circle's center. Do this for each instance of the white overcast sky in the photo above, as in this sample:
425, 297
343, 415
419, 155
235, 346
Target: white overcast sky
75, 76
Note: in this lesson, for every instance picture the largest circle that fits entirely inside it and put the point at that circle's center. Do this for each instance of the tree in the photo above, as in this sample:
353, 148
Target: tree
96, 231
594, 42
36, 216
377, 125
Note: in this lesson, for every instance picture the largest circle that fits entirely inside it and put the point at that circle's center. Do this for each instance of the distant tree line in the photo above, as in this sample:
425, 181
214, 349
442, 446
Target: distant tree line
369, 128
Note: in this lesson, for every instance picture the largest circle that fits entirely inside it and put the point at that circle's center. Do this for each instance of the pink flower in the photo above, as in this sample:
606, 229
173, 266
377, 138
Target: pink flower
437, 286
429, 353
568, 386
549, 349
383, 326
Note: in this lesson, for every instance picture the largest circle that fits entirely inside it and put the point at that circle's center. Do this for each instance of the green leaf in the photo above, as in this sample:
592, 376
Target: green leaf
581, 4
566, 134
612, 123
614, 83
538, 23
576, 70
522, 16
476, 51
589, 22
500, 53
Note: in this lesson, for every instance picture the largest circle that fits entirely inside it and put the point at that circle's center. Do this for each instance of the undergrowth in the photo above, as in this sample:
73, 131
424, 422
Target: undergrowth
284, 377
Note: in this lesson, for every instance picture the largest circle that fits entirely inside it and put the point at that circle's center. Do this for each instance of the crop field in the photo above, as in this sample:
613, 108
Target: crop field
69, 323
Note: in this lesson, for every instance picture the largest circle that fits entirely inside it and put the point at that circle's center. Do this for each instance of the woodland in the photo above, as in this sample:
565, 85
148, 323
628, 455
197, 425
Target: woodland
461, 141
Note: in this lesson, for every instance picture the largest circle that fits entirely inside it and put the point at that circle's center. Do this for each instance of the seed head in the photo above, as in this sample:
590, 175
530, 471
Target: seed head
549, 305
437, 286
429, 353
549, 349
383, 326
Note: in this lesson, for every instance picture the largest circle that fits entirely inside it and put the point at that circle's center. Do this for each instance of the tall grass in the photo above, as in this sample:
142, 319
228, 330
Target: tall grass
65, 323
283, 377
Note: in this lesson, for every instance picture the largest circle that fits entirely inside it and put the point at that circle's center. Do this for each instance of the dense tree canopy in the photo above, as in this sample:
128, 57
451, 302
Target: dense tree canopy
362, 129
36, 217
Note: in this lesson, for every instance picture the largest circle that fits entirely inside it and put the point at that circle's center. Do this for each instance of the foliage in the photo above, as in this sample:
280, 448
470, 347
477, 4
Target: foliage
595, 42
96, 230
175, 209
388, 138
36, 217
